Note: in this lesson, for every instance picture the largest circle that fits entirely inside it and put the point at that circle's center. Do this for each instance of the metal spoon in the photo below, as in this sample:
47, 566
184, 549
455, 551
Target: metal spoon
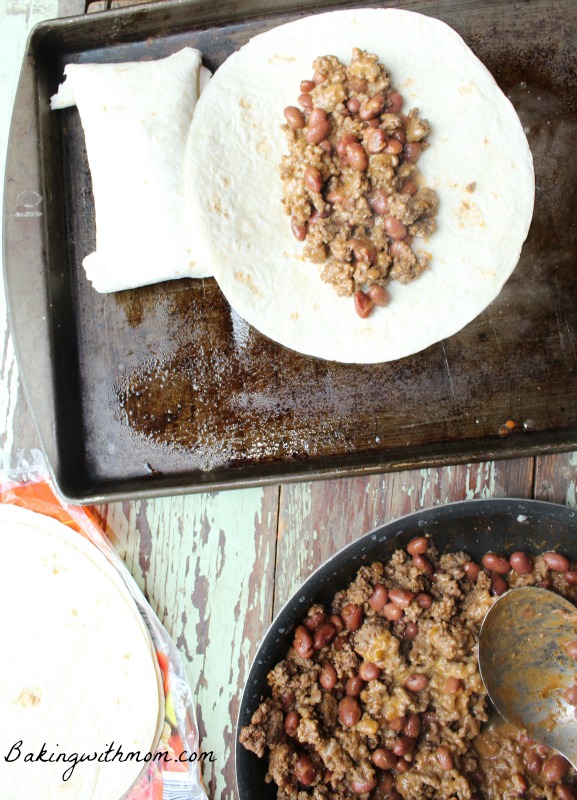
525, 666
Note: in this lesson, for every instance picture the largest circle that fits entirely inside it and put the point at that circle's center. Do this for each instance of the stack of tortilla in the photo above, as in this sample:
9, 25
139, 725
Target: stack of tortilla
78, 673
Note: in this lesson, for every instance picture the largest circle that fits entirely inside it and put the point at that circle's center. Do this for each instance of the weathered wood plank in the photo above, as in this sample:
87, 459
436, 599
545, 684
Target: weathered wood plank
556, 478
206, 564
317, 519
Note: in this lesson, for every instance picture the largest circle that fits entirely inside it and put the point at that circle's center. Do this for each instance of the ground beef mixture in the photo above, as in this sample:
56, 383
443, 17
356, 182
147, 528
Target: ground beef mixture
350, 181
380, 696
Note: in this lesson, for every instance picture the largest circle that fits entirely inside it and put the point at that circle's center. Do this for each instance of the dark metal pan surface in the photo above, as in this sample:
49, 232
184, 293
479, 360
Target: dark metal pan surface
164, 389
474, 526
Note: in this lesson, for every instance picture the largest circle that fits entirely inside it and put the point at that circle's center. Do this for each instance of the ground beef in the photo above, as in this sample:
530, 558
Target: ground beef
349, 179
378, 735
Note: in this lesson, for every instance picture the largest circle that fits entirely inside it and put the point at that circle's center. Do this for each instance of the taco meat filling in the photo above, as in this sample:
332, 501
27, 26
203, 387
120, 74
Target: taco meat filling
380, 696
350, 182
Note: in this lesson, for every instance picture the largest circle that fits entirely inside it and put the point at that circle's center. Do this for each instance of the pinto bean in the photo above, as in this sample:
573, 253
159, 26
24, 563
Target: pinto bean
409, 187
305, 100
411, 631
324, 635
424, 600
412, 728
335, 197
316, 133
307, 86
403, 746
383, 758
496, 563
401, 597
416, 682
363, 304
423, 563
369, 671
304, 768
316, 215
341, 641
294, 117
299, 231
328, 676
303, 642
349, 711
375, 140
556, 562
392, 612
354, 686
314, 621
317, 115
379, 597
291, 722
418, 546
412, 152
521, 562
313, 179
386, 782
394, 147
555, 768
343, 143
379, 295
401, 766
471, 570
395, 228
352, 615
394, 103
452, 685
372, 107
357, 157
498, 584
362, 786
363, 250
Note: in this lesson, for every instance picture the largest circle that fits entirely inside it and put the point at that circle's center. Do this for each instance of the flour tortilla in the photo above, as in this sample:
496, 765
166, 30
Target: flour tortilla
136, 118
476, 137
78, 670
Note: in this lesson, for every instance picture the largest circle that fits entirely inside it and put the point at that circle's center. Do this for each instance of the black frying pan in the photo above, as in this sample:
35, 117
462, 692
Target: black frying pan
475, 526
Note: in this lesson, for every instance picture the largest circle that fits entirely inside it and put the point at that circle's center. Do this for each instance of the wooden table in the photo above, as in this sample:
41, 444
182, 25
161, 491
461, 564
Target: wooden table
216, 567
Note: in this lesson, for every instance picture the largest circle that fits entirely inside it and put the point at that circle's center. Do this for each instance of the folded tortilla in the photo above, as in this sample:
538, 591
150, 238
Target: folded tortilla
78, 671
478, 162
136, 118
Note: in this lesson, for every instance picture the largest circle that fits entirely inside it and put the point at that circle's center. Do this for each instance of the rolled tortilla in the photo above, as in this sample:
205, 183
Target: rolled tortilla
136, 118
78, 671
478, 162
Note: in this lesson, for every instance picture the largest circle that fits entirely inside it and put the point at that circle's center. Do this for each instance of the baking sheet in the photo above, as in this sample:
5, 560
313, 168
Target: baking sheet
165, 389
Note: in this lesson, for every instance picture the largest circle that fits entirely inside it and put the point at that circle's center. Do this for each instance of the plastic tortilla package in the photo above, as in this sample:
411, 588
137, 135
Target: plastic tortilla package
94, 699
